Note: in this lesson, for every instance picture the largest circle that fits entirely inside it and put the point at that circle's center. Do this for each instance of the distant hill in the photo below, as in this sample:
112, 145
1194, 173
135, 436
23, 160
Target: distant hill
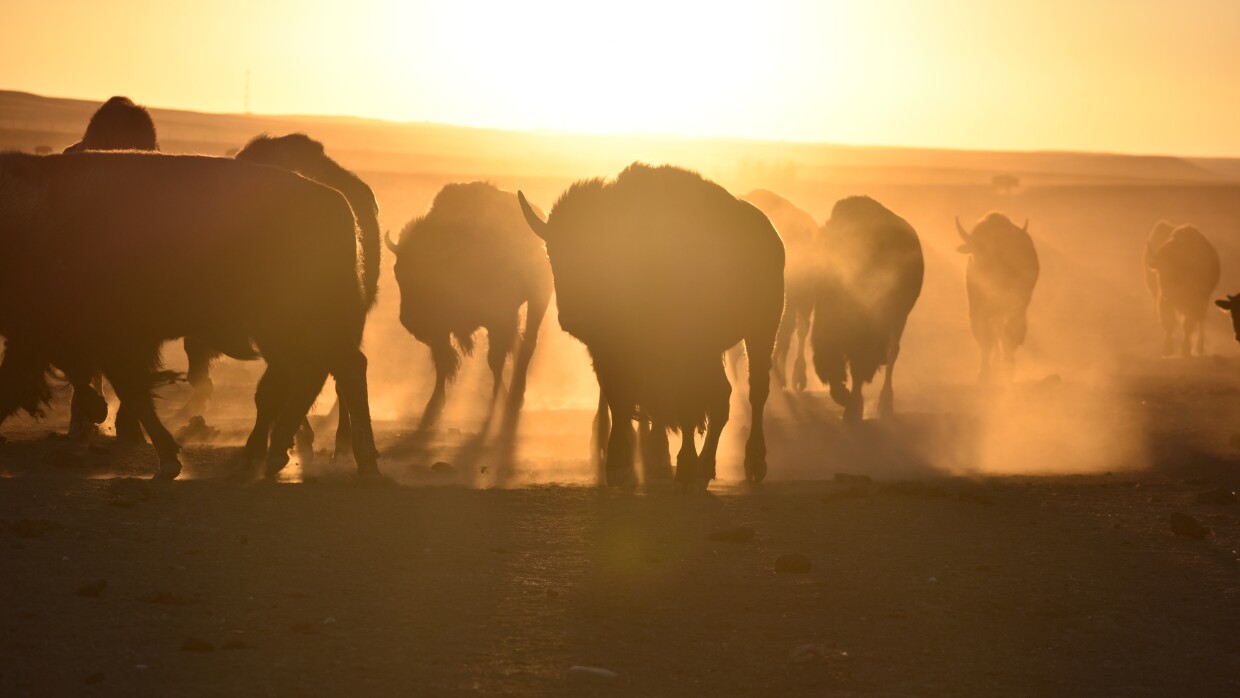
28, 121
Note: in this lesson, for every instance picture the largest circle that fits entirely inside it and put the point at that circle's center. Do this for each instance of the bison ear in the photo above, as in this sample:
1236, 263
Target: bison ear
538, 225
960, 229
1224, 304
1025, 227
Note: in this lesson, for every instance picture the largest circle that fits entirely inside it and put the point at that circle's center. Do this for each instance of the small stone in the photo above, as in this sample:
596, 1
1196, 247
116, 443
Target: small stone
442, 467
164, 598
739, 534
846, 479
197, 644
793, 563
306, 628
1218, 495
552, 593
93, 589
591, 673
98, 449
1186, 526
234, 644
197, 430
804, 654
95, 678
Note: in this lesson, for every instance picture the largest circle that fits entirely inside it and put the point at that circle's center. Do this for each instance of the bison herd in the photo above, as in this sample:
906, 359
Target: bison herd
658, 272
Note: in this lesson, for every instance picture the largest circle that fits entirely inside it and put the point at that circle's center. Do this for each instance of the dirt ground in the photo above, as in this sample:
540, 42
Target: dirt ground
502, 568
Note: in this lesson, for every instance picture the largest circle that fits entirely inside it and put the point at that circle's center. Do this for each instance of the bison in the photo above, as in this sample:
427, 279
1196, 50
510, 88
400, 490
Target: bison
472, 262
798, 230
299, 153
658, 272
149, 247
118, 125
1187, 270
999, 280
872, 270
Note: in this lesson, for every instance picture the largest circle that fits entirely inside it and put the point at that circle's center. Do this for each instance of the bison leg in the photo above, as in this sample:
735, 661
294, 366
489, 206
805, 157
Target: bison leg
619, 462
355, 401
131, 379
758, 347
445, 359
198, 355
86, 409
305, 383
500, 339
887, 396
854, 408
783, 343
535, 311
717, 412
601, 434
1167, 316
1192, 326
128, 426
268, 399
799, 379
656, 462
344, 426
687, 471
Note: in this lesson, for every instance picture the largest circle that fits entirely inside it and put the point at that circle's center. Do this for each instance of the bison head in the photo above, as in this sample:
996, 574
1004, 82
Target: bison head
1231, 306
576, 265
978, 244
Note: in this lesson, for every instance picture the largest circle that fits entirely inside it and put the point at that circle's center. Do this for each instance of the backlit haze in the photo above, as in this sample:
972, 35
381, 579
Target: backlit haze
1135, 76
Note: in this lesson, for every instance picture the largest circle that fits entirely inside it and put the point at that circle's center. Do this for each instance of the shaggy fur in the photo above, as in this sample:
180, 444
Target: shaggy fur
999, 279
118, 125
658, 273
1187, 267
153, 247
872, 270
472, 262
798, 230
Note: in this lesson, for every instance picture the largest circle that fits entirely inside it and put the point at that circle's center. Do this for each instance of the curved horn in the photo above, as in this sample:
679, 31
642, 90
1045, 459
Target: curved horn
387, 240
538, 225
960, 229
1025, 228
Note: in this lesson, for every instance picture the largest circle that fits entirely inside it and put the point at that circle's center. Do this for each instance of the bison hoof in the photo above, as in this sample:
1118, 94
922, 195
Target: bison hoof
755, 469
168, 470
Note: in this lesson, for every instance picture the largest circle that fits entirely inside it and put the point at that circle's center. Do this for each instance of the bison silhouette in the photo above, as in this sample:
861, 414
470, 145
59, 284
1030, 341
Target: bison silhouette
658, 272
872, 270
472, 262
999, 280
1187, 267
151, 247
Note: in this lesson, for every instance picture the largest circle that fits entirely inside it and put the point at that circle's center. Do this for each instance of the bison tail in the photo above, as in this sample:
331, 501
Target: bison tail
371, 244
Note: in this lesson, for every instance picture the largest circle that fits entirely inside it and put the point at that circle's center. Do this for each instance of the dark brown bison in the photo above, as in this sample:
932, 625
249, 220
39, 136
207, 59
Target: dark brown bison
999, 280
149, 247
658, 273
301, 154
872, 269
1187, 268
797, 229
472, 262
118, 125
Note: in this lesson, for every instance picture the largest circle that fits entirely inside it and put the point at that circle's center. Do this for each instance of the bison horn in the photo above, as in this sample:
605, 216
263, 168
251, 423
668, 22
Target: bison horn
387, 239
1025, 228
538, 225
960, 229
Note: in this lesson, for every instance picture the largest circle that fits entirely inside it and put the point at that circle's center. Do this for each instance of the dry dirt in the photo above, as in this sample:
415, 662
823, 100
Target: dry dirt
474, 577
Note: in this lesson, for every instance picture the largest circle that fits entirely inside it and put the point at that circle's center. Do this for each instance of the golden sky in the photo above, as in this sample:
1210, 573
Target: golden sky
1141, 76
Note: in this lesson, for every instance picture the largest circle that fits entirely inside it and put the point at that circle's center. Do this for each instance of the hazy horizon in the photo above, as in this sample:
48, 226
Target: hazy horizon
1135, 77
